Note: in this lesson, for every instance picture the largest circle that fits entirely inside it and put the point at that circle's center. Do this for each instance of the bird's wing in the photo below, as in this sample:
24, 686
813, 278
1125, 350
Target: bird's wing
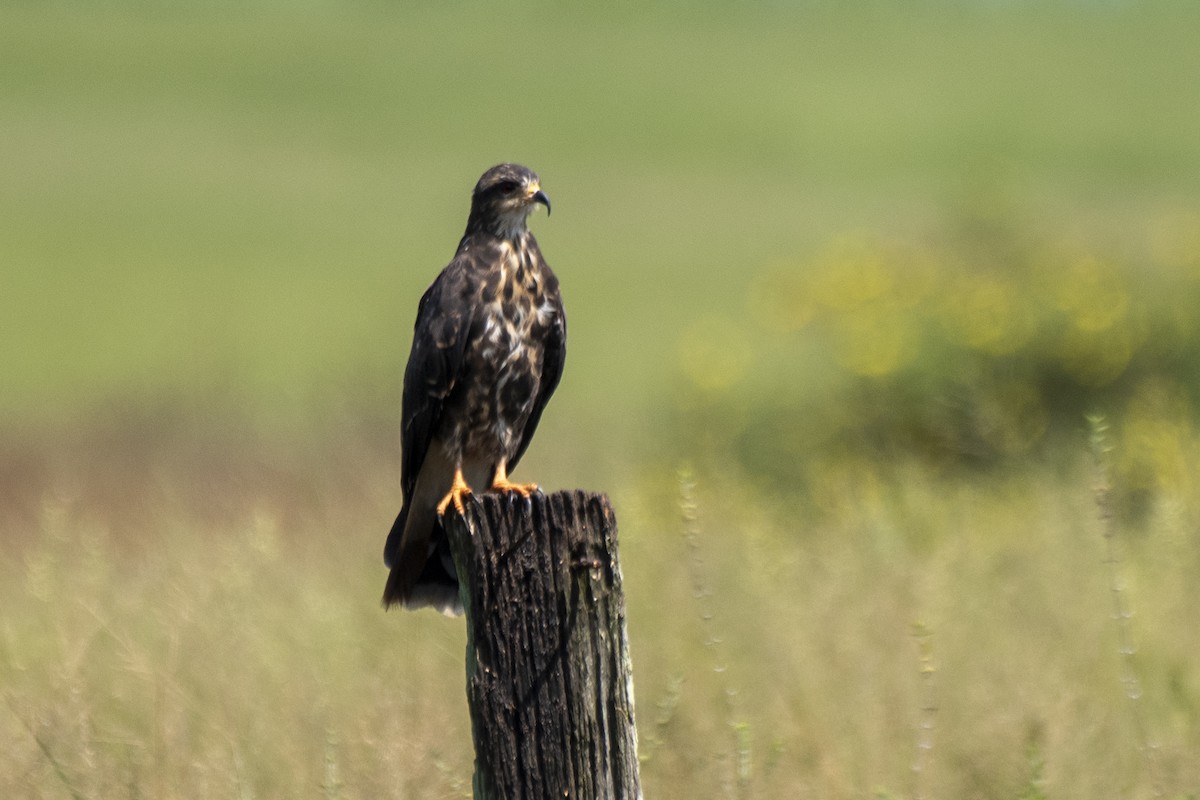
553, 359
439, 339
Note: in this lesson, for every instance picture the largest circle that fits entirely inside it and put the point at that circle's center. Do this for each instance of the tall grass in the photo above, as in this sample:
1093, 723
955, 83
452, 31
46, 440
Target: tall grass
177, 658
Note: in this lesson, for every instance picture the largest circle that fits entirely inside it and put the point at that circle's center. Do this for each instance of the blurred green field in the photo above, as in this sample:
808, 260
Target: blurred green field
842, 284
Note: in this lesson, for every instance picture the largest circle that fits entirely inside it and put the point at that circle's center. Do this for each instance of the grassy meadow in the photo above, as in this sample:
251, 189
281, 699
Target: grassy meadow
884, 339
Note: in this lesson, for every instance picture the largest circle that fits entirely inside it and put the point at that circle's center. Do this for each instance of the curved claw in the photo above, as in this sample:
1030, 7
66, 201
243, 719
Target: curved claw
459, 491
506, 486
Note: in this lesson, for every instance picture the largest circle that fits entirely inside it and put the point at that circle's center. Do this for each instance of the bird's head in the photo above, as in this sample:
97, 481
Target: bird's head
504, 198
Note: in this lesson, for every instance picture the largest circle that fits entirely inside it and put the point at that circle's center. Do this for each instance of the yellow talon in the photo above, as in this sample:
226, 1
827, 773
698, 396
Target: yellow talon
523, 489
501, 483
459, 490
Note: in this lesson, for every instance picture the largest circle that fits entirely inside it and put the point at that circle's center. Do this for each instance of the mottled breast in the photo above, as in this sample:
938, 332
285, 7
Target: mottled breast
506, 348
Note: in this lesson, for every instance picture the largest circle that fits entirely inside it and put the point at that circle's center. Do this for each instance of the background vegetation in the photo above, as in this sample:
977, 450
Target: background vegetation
843, 283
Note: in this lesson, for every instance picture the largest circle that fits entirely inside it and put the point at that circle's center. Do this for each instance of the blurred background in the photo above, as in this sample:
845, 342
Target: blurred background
884, 339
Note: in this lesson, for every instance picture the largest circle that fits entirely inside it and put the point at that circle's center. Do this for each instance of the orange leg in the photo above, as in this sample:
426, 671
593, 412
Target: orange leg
501, 483
458, 492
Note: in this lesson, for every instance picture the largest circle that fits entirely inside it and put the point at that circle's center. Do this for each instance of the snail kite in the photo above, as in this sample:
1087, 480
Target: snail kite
488, 350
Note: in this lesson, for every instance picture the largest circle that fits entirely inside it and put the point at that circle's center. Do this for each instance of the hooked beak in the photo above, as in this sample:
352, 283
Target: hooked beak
540, 197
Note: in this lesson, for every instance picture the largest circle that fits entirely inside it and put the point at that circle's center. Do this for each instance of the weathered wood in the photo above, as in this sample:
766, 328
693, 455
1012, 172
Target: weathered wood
548, 676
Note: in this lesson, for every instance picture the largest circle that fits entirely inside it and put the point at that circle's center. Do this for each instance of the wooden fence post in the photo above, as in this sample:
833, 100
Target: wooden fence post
548, 675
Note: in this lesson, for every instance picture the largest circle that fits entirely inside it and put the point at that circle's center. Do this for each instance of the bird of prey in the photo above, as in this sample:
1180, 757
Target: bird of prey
488, 350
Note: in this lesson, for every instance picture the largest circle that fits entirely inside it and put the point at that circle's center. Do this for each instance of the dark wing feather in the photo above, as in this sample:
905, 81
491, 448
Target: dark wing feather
553, 359
439, 339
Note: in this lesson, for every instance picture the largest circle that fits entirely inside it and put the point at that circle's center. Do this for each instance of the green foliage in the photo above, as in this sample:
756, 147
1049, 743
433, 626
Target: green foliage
249, 198
977, 352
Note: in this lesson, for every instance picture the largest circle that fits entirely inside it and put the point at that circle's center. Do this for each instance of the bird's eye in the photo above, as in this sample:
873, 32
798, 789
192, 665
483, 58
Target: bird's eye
506, 187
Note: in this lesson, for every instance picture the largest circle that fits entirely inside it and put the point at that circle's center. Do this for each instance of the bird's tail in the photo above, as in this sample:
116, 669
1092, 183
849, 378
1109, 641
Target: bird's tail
392, 546
399, 581
422, 568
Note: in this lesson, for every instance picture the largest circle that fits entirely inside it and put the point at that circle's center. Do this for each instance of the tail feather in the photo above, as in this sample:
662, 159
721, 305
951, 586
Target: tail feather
392, 545
422, 569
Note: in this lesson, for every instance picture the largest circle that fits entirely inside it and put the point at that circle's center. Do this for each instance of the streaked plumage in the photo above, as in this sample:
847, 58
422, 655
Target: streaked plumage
488, 350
